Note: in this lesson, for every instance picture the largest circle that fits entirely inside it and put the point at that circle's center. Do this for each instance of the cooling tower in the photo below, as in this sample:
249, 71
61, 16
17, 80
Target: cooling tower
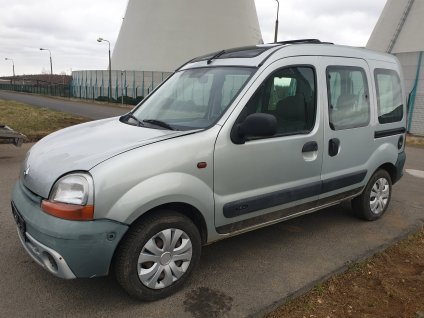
160, 35
399, 28
400, 31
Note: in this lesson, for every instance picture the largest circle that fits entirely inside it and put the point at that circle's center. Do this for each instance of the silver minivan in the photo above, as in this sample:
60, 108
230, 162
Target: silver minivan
231, 142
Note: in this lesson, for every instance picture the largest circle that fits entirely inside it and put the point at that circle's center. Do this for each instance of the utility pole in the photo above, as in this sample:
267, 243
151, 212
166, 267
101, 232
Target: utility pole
110, 68
13, 67
51, 65
276, 23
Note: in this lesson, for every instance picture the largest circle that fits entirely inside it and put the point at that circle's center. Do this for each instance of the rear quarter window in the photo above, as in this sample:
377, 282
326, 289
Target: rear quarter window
389, 96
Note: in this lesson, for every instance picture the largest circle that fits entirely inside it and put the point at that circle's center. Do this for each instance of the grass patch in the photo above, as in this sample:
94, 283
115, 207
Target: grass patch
35, 122
415, 141
389, 284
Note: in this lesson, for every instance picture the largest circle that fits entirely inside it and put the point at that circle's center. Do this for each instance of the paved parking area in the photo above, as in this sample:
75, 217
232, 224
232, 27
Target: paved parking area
242, 276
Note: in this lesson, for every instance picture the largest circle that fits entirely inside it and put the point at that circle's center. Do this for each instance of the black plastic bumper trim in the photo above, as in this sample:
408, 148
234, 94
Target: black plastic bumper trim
269, 200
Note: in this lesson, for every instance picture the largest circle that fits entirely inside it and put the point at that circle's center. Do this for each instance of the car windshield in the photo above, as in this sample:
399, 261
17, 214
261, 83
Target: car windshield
191, 99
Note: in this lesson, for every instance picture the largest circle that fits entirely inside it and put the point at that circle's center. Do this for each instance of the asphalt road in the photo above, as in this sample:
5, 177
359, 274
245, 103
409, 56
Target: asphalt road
242, 276
81, 108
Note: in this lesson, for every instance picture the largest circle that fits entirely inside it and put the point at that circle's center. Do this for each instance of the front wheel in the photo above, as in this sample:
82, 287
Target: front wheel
373, 202
157, 255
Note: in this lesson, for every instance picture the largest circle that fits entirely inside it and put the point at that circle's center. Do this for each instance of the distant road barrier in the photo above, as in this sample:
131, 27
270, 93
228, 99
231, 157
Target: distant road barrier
128, 87
51, 90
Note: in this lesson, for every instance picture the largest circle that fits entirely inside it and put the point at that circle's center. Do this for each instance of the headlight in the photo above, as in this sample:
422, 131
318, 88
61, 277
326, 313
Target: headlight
72, 198
73, 189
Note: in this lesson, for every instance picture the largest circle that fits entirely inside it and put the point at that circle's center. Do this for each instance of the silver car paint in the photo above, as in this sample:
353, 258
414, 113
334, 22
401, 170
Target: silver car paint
266, 165
129, 183
82, 147
356, 144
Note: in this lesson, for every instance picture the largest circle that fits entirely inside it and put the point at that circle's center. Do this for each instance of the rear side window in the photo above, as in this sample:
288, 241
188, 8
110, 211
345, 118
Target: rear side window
348, 97
389, 96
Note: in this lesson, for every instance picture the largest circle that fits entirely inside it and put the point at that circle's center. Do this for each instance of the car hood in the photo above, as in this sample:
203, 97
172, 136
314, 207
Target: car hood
81, 147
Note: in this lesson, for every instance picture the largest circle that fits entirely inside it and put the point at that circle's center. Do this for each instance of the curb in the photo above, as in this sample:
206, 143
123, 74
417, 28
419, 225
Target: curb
342, 269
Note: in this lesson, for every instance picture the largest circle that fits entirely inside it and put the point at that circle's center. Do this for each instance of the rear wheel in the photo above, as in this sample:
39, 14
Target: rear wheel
158, 255
373, 202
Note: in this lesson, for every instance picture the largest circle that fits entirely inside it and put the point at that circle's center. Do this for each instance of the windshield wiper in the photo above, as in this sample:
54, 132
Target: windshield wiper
158, 123
215, 56
131, 116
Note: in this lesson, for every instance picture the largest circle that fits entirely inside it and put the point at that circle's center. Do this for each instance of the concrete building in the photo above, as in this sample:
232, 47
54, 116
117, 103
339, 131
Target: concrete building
399, 31
160, 35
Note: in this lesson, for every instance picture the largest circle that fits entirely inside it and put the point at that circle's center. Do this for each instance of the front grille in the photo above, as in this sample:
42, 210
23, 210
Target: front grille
29, 194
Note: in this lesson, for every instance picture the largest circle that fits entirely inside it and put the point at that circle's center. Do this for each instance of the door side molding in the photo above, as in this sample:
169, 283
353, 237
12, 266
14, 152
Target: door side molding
286, 214
269, 200
343, 181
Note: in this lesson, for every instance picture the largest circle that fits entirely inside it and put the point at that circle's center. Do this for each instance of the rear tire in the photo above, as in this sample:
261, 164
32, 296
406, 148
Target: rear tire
375, 198
157, 255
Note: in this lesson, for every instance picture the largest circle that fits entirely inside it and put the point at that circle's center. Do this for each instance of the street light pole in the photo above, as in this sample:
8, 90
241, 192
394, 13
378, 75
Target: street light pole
51, 64
276, 22
13, 64
110, 69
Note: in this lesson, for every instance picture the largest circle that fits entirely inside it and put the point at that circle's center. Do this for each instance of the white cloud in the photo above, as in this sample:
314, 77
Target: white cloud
341, 22
70, 28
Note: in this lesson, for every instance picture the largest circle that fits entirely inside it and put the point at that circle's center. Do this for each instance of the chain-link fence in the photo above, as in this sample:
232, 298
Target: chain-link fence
416, 125
51, 90
128, 87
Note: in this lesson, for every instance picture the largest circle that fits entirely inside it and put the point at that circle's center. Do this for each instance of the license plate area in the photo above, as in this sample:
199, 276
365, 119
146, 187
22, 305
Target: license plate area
20, 222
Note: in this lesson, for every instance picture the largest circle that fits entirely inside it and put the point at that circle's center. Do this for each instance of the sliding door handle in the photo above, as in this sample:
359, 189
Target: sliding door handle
333, 147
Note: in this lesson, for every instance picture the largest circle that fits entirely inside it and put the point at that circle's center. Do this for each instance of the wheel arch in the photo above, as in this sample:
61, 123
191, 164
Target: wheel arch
182, 208
391, 170
179, 207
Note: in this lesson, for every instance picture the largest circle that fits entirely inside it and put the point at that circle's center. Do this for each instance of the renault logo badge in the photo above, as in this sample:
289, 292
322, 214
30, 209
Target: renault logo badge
26, 172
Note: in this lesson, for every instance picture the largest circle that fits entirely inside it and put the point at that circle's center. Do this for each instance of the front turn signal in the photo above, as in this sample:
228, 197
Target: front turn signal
67, 211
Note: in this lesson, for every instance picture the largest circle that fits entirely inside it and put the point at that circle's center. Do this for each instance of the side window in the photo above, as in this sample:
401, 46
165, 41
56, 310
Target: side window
348, 97
389, 96
289, 95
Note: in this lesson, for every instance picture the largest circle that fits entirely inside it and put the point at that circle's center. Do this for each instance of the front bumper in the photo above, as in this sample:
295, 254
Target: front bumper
79, 249
46, 257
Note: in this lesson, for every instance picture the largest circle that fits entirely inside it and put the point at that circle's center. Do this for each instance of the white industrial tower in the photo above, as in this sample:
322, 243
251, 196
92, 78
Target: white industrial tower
399, 31
160, 35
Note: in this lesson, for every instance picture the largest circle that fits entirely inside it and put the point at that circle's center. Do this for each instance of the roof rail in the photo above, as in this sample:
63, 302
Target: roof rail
304, 41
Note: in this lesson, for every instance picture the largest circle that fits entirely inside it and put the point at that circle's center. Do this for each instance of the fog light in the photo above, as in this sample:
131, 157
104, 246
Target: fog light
50, 262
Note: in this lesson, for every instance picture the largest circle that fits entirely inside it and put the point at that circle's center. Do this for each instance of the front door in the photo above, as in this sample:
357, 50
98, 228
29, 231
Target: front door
266, 179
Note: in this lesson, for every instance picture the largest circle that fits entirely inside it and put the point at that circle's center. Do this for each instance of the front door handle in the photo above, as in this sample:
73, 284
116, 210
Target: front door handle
310, 146
333, 147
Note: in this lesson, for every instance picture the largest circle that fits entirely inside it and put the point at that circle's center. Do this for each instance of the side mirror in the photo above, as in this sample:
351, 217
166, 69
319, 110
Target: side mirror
255, 125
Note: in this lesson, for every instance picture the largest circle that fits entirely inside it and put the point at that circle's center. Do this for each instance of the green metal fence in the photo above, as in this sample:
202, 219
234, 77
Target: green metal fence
131, 86
50, 90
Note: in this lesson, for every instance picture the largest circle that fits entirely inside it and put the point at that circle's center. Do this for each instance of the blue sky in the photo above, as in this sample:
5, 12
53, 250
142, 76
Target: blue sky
70, 28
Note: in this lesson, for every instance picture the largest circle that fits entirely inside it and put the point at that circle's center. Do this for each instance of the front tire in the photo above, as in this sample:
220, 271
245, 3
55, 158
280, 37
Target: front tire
375, 198
158, 255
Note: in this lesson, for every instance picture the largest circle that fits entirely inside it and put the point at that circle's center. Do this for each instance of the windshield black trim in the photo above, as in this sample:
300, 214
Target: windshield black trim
245, 52
278, 48
219, 66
